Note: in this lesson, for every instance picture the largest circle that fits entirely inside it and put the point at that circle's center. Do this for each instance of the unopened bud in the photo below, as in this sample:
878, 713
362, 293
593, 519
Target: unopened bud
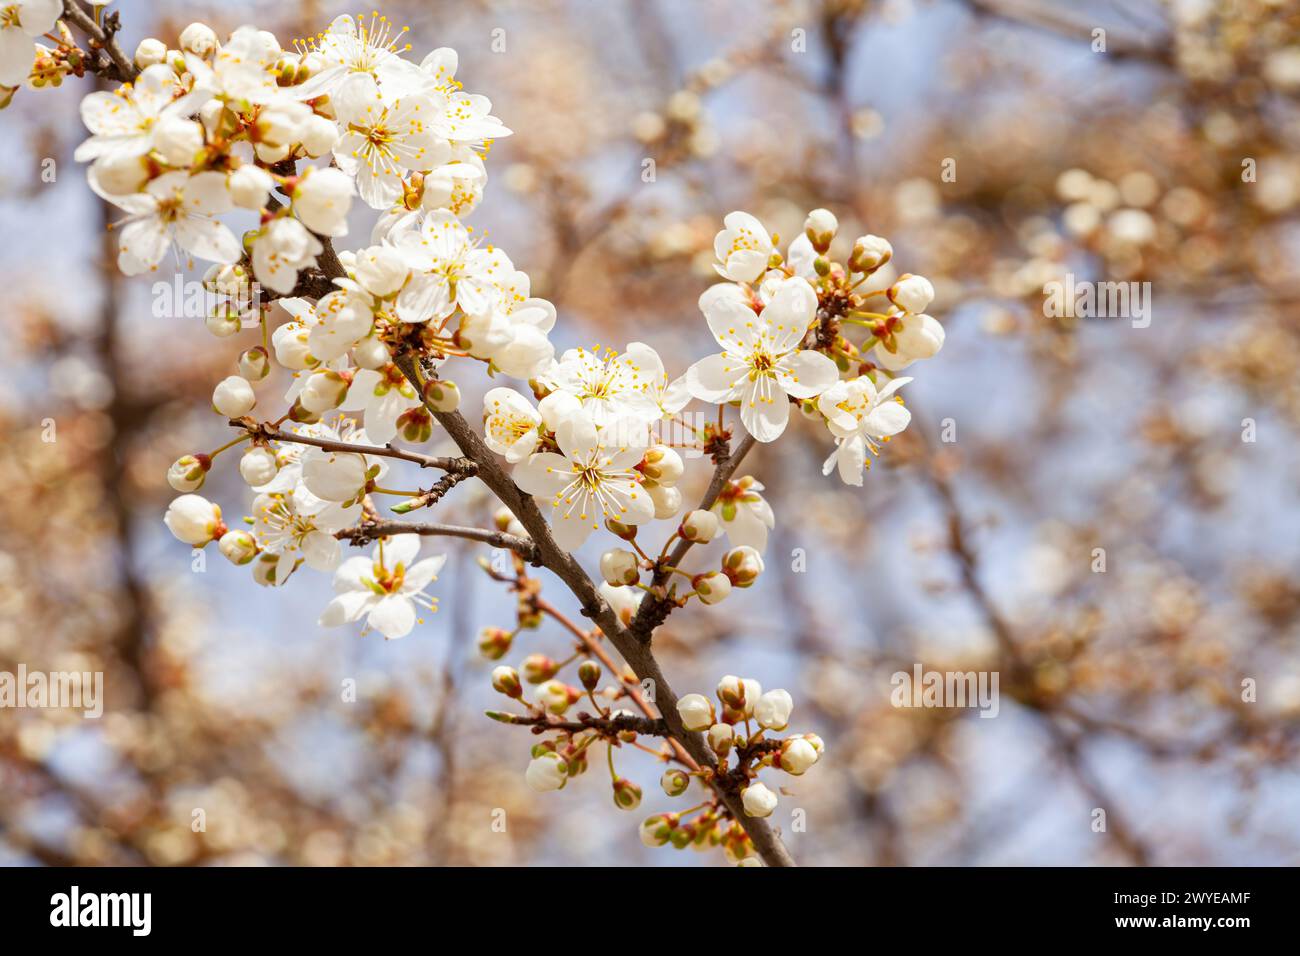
625, 531
620, 567
820, 228
239, 547
589, 675
870, 253
556, 696
699, 526
538, 668
494, 642
442, 395
188, 472
743, 565
675, 782
627, 795
505, 680
415, 425
662, 464
254, 364
712, 587
720, 738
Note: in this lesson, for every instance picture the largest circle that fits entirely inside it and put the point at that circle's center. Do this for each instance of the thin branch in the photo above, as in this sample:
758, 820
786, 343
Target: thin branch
654, 609
605, 726
270, 432
369, 531
109, 60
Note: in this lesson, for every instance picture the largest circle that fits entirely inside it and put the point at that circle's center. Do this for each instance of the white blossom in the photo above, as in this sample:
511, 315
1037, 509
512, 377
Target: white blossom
385, 589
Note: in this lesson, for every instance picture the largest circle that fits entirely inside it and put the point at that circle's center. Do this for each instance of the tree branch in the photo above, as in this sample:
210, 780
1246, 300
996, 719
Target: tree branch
654, 610
368, 531
270, 432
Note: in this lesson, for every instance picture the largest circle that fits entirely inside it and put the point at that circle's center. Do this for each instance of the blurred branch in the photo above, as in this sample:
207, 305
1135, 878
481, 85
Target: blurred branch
1053, 19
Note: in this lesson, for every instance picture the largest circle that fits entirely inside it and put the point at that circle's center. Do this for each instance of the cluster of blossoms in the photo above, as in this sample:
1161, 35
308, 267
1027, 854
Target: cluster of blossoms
599, 437
739, 727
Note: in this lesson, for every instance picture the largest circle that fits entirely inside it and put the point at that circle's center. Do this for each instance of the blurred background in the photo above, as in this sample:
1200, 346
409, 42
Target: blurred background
1172, 447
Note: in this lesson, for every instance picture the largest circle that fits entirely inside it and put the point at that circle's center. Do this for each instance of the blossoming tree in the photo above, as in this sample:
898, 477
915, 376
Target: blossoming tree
587, 443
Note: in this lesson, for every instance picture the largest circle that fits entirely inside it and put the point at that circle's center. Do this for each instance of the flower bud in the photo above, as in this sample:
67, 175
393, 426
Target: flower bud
662, 464
625, 531
556, 696
675, 782
743, 565
912, 293
656, 830
224, 320
494, 642
370, 353
696, 712
589, 674
149, 52
739, 695
319, 135
870, 253
627, 795
199, 39
258, 465
266, 570
667, 500
442, 395
758, 800
254, 364
505, 680
249, 186
188, 472
177, 140
772, 710
233, 397
816, 742
415, 425
700, 527
539, 667
548, 772
796, 756
194, 520
239, 547
712, 587
820, 228
620, 567
325, 389
720, 739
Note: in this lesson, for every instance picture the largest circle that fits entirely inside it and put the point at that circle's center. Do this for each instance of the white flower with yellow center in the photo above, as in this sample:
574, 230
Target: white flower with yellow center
510, 424
743, 248
283, 527
761, 362
175, 208
452, 270
383, 139
385, 588
122, 122
594, 477
610, 385
370, 47
860, 417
